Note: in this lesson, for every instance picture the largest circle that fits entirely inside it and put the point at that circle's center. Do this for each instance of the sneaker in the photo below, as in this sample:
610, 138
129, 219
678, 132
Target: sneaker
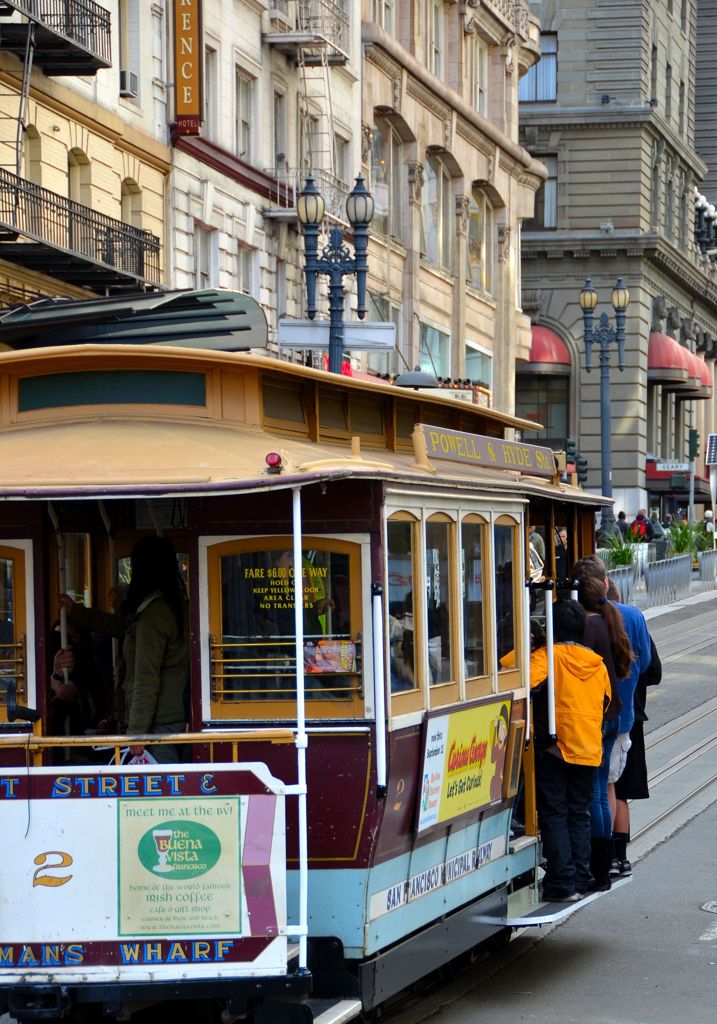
615, 867
558, 897
625, 868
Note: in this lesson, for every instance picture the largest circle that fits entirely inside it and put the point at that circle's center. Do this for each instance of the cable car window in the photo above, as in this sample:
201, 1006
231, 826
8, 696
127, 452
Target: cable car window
7, 628
111, 387
254, 658
78, 568
282, 403
366, 417
13, 668
333, 411
472, 593
504, 550
438, 600
401, 631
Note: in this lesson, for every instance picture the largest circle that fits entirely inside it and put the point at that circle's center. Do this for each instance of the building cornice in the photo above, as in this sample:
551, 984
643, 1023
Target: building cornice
552, 117
229, 165
626, 245
420, 81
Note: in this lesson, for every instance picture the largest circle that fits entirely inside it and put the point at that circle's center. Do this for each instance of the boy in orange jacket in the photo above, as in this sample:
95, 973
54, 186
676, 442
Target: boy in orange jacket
565, 766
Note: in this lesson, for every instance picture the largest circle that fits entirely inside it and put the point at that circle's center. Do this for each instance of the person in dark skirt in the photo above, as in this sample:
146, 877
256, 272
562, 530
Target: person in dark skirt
632, 784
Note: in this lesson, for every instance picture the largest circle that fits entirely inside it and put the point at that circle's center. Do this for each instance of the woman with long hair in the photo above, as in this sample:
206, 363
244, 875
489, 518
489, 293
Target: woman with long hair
604, 634
155, 648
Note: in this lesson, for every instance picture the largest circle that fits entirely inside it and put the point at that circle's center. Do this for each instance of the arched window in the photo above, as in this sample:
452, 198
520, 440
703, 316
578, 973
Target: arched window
79, 182
33, 155
386, 179
131, 203
437, 214
481, 233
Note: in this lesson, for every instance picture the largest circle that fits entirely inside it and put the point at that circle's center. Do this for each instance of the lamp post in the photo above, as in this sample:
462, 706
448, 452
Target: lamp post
335, 260
604, 335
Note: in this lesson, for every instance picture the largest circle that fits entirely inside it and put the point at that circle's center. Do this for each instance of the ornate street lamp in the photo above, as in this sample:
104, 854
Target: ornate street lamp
335, 260
603, 336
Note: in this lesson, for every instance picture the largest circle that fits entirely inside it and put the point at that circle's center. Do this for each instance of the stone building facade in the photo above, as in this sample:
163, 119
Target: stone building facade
84, 158
452, 184
611, 111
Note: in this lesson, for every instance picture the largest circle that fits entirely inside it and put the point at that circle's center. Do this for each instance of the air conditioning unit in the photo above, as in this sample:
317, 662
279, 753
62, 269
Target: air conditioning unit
129, 86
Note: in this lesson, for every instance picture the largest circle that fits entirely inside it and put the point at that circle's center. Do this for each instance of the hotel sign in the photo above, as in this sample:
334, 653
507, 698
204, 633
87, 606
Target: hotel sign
188, 76
489, 452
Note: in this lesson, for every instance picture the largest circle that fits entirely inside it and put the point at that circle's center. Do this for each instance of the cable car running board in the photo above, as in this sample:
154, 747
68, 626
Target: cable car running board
327, 1012
525, 909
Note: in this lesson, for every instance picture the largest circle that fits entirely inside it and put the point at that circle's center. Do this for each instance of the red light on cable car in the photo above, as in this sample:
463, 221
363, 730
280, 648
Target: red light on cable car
273, 462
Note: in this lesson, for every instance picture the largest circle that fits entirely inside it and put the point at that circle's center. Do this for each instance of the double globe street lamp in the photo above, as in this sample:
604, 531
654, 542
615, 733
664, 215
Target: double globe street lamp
604, 335
335, 259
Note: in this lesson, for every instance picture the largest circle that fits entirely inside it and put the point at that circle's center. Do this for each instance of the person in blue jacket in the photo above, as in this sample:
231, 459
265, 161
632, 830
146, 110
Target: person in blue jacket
639, 637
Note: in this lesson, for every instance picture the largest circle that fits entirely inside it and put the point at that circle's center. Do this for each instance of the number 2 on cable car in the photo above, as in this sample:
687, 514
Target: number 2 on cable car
42, 878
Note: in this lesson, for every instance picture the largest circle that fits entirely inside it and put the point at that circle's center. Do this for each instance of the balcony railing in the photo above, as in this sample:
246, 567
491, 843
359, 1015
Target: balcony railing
72, 241
299, 22
290, 183
83, 23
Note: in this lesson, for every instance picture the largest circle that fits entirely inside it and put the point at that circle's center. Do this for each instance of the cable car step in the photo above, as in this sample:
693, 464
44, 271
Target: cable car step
526, 909
328, 1011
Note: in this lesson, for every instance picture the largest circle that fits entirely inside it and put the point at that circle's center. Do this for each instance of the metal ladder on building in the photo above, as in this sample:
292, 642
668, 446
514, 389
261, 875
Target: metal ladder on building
13, 152
316, 114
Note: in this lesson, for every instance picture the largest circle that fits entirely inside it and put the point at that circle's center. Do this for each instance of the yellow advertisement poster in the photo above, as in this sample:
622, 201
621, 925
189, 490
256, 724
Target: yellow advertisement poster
464, 761
179, 866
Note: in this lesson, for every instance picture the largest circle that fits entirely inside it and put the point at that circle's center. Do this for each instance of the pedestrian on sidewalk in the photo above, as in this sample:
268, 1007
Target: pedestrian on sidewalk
641, 528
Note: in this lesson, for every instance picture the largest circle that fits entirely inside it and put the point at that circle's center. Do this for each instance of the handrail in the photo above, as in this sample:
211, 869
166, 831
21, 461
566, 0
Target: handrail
81, 21
38, 213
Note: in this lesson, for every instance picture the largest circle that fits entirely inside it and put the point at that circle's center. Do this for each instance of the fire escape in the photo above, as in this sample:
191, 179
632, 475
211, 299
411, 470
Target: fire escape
40, 229
315, 36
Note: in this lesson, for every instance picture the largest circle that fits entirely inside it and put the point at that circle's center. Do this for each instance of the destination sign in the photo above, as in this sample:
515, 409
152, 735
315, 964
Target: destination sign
492, 452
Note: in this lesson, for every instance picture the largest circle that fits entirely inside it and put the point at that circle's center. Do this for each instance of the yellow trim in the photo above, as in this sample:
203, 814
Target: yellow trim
17, 557
353, 707
362, 821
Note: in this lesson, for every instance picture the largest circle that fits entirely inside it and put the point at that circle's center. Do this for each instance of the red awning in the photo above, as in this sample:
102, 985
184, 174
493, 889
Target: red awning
676, 368
548, 353
667, 362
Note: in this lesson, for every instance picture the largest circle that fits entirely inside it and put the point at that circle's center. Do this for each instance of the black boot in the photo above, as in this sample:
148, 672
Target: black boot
623, 865
600, 856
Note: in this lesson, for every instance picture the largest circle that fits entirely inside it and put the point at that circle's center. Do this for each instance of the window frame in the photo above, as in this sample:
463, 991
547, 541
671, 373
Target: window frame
445, 227
20, 553
244, 113
545, 206
211, 549
509, 678
480, 203
530, 86
480, 685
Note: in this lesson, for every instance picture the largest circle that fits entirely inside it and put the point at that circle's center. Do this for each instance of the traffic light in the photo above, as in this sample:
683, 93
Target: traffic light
571, 450
582, 468
694, 444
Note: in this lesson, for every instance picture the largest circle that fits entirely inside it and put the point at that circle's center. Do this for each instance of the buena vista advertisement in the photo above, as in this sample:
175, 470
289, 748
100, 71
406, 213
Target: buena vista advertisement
463, 761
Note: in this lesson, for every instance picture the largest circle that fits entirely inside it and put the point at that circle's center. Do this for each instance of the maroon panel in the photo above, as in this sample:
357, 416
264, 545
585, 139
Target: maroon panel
342, 808
132, 953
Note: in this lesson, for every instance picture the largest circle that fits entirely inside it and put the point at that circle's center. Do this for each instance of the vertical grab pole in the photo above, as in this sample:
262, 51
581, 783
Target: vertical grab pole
62, 574
113, 580
301, 737
379, 683
551, 663
526, 660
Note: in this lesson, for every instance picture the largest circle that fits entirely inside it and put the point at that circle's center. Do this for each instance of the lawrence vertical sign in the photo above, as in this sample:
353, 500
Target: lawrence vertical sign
188, 98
